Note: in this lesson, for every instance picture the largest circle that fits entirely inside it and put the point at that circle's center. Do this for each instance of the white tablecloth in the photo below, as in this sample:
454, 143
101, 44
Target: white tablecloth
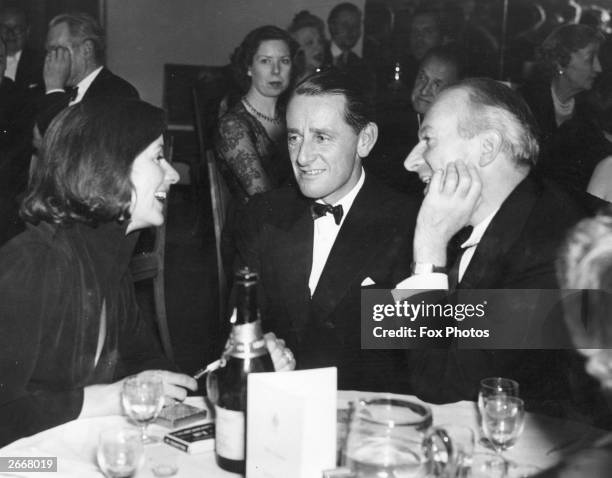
74, 443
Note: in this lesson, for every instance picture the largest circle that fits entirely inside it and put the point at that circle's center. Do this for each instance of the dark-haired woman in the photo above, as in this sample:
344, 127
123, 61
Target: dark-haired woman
69, 321
251, 139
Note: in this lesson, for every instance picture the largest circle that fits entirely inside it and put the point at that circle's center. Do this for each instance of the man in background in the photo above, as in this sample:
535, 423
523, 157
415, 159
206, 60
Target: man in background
23, 64
74, 66
344, 23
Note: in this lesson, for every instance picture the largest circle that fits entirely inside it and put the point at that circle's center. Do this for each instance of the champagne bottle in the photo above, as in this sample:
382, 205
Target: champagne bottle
245, 353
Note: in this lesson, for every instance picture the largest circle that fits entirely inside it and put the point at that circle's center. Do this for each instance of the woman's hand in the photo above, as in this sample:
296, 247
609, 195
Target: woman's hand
102, 400
282, 357
176, 385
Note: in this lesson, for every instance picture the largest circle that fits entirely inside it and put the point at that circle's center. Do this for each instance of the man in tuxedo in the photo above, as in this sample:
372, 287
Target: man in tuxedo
317, 244
344, 23
476, 151
74, 66
23, 64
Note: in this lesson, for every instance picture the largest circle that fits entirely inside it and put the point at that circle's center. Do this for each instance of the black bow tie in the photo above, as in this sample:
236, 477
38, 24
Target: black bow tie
320, 210
72, 92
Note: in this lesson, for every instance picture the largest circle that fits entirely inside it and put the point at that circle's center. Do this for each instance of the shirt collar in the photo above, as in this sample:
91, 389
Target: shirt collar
86, 82
335, 50
347, 201
479, 230
16, 56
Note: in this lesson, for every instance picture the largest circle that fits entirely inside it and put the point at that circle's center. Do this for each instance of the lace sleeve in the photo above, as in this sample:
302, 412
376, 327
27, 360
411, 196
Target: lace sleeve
238, 150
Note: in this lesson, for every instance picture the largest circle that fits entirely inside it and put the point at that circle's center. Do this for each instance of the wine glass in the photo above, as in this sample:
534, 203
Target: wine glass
120, 452
503, 421
143, 399
491, 387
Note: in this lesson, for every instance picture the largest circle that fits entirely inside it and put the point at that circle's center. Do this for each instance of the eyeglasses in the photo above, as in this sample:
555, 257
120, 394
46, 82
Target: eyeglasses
16, 30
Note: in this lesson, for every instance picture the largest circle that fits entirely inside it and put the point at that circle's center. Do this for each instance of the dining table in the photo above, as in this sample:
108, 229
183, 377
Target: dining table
542, 444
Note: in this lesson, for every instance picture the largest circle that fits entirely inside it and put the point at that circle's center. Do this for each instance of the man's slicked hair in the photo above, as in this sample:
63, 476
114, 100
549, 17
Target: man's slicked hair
494, 106
84, 27
342, 7
358, 109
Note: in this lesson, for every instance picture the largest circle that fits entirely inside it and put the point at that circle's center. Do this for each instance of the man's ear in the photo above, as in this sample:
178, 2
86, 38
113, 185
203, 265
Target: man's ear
367, 139
490, 147
88, 49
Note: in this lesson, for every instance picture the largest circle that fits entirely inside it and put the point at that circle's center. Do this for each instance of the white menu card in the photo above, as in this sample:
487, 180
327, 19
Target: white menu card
291, 423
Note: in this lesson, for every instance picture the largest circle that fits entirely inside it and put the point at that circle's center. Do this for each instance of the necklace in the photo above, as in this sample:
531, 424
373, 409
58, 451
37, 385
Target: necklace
275, 120
562, 109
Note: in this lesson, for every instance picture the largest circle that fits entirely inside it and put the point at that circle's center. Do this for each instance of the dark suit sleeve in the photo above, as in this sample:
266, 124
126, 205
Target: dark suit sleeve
49, 106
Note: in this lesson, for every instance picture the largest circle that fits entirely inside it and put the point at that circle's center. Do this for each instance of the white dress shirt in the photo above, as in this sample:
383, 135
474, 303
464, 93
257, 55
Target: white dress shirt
12, 62
82, 86
439, 280
336, 52
325, 233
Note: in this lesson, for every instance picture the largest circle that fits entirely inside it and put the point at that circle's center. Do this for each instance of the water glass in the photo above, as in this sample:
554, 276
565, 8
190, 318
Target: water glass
120, 452
385, 438
143, 398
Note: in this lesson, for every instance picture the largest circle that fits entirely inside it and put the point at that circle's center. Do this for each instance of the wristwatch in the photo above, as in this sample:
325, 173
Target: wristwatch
426, 268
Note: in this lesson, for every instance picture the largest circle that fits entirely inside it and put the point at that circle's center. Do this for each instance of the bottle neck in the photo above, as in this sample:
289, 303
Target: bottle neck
246, 303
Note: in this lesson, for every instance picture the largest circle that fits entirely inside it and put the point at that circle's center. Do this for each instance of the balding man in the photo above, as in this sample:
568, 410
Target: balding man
23, 64
476, 149
74, 66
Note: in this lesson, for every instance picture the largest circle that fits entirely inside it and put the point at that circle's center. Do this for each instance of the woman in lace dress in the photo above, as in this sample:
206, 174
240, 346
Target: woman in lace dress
251, 138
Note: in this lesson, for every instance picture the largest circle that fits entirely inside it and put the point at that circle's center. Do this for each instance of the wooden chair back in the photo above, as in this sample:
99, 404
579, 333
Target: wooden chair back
208, 94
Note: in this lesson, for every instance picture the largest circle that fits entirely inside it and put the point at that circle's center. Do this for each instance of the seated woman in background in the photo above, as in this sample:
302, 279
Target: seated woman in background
251, 139
309, 31
569, 67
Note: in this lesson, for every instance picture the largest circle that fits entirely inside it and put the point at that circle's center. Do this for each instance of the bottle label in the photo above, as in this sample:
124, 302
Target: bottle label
229, 433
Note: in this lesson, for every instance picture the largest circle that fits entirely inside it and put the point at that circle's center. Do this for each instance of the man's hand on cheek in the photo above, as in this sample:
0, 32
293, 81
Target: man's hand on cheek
57, 68
452, 197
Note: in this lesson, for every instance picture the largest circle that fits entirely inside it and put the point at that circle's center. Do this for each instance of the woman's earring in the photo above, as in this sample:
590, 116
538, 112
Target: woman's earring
561, 72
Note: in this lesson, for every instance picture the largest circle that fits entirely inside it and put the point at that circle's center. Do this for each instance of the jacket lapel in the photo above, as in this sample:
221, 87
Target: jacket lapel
292, 259
357, 242
503, 231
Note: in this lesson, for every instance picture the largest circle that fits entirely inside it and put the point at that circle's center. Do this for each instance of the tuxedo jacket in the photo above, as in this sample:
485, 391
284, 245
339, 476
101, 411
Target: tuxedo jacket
29, 75
275, 238
518, 251
105, 84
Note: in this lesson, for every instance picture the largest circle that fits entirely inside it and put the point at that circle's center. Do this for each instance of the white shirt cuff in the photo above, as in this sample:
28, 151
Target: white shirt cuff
55, 90
418, 282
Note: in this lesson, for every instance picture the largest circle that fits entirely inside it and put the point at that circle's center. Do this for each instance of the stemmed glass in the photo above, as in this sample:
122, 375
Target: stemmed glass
492, 387
143, 399
120, 452
503, 420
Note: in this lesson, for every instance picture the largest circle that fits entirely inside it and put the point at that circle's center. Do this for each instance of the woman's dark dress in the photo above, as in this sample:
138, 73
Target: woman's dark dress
54, 281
